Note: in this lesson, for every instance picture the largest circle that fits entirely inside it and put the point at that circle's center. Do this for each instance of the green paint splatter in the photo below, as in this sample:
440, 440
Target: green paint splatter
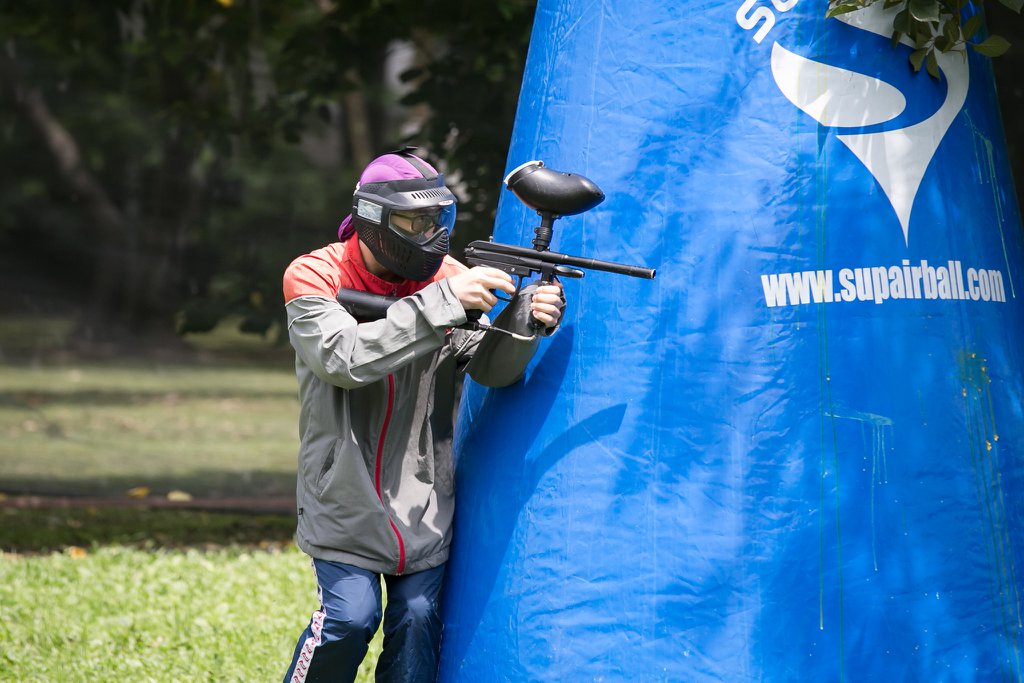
983, 444
879, 427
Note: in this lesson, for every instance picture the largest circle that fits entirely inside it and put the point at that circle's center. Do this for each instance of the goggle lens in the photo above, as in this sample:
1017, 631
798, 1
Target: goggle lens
423, 225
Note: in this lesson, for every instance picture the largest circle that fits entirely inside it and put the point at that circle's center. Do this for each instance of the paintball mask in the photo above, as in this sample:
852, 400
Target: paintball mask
405, 222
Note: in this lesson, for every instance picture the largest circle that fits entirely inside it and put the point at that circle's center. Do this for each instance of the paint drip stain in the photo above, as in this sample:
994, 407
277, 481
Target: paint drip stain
983, 439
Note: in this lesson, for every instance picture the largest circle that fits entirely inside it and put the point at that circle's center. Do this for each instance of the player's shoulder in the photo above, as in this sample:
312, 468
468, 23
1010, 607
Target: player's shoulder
449, 267
317, 273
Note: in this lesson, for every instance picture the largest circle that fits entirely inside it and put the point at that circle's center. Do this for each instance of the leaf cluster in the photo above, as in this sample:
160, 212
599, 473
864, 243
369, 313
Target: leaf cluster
936, 26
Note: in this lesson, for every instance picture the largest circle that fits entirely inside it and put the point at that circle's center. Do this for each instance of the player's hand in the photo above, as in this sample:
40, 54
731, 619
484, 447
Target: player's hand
474, 287
548, 303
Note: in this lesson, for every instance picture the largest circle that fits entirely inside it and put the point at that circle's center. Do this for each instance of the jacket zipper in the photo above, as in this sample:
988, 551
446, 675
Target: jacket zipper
376, 477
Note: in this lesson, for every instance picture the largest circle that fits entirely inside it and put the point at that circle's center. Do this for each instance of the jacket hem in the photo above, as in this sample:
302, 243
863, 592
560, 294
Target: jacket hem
374, 565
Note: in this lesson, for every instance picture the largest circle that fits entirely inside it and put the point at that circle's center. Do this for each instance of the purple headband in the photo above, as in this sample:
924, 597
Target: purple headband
382, 169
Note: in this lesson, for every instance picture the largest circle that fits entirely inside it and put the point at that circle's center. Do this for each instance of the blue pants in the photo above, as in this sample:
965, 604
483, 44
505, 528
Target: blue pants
333, 645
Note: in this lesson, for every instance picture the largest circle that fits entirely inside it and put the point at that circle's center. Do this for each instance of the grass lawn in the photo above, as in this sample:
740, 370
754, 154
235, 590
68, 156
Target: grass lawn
111, 613
110, 594
105, 429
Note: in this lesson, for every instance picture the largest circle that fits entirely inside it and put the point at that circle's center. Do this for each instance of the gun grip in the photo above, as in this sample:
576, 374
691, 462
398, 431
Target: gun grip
473, 315
536, 325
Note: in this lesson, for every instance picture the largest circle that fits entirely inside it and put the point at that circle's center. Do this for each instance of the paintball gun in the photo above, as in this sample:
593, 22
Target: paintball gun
552, 194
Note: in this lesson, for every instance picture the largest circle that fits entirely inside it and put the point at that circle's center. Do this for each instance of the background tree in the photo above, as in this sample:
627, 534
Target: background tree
167, 159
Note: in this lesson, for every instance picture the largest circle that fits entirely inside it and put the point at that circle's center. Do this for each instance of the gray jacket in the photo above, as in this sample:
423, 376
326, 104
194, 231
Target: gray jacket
375, 482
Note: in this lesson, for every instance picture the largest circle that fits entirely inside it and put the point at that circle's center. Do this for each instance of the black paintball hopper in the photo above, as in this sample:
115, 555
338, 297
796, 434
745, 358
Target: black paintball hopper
551, 192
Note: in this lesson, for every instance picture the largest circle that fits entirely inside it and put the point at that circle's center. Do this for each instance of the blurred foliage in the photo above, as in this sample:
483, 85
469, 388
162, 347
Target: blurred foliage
166, 160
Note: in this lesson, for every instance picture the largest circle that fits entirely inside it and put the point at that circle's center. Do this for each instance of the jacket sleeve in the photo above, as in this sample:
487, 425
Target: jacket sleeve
348, 354
498, 360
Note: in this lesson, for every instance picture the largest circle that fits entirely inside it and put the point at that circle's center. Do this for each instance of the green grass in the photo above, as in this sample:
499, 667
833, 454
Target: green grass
104, 429
111, 613
102, 594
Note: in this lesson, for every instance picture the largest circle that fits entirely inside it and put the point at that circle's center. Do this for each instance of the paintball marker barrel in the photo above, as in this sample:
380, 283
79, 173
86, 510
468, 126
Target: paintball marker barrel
477, 251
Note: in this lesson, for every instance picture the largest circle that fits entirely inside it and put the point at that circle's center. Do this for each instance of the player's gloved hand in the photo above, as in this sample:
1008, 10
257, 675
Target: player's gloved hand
548, 304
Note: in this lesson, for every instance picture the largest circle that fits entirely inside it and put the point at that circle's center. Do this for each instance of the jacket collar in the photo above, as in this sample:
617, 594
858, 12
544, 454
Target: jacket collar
353, 266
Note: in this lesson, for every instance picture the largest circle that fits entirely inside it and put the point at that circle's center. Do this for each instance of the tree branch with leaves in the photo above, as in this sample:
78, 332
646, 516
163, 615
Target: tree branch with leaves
935, 26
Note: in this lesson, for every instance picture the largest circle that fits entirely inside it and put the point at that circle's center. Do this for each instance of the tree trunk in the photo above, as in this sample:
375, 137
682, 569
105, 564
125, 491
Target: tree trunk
357, 115
107, 219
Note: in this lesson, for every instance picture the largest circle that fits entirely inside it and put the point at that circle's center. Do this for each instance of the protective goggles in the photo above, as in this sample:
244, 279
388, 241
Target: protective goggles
421, 226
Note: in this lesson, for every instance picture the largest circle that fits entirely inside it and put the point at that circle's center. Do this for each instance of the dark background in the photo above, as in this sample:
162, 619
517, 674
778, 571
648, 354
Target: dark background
165, 160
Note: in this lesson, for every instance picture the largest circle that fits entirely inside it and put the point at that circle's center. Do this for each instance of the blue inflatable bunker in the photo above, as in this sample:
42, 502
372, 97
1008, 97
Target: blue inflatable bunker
797, 454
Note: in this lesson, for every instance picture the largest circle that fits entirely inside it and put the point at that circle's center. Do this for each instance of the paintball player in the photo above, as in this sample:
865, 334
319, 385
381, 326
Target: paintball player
375, 480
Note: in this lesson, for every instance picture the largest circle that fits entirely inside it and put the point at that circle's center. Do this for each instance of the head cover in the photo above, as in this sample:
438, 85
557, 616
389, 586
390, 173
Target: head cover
403, 213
